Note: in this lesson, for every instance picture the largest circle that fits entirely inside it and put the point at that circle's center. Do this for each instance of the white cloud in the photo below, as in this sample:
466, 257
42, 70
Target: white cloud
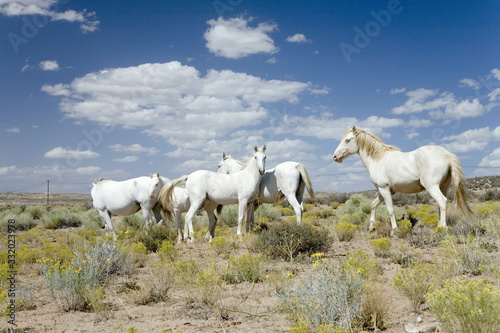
234, 39
14, 130
471, 140
395, 91
298, 38
57, 90
134, 149
418, 123
60, 153
49, 8
49, 65
442, 106
173, 101
471, 83
90, 170
127, 159
326, 127
492, 160
7, 170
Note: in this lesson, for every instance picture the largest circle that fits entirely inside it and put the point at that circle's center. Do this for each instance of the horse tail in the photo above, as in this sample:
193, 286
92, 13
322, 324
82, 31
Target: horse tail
165, 195
458, 182
305, 178
219, 209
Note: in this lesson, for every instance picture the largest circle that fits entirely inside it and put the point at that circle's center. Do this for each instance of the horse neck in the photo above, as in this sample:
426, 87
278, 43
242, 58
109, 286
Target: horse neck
252, 167
367, 160
234, 165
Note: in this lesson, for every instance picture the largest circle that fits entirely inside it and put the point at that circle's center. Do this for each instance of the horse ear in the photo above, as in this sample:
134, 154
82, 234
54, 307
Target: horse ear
158, 174
255, 148
150, 175
354, 129
264, 148
223, 156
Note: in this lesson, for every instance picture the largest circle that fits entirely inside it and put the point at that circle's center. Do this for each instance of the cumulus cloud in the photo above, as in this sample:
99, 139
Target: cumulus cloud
60, 153
57, 89
470, 83
491, 160
49, 65
327, 127
395, 91
127, 159
174, 101
234, 39
7, 170
439, 106
298, 38
14, 130
49, 8
471, 140
135, 149
90, 170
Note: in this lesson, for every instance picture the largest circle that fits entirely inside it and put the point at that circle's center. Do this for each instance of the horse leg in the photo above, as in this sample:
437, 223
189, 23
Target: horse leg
157, 213
147, 216
188, 228
297, 207
441, 200
107, 222
251, 207
379, 199
212, 220
242, 208
178, 222
387, 196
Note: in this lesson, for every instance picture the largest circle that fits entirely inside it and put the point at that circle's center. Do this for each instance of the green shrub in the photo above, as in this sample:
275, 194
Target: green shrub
415, 282
229, 216
36, 212
285, 211
244, 268
431, 220
167, 251
357, 205
60, 217
358, 262
222, 246
330, 300
345, 231
404, 228
326, 213
463, 255
464, 305
381, 247
288, 240
74, 284
334, 204
158, 285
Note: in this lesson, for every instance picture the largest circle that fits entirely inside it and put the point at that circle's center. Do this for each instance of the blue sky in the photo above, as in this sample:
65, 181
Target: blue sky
120, 89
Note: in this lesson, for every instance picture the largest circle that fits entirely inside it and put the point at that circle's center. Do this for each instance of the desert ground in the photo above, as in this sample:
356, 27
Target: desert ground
233, 284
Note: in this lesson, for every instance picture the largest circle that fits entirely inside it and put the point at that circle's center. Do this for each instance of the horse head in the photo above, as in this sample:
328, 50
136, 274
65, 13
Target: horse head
347, 145
155, 185
260, 158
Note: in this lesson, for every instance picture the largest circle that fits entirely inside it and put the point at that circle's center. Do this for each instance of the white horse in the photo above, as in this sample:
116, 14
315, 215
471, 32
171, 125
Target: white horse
209, 189
287, 180
174, 208
430, 168
126, 198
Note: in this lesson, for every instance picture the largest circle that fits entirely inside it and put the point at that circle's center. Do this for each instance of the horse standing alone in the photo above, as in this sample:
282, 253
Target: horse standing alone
430, 168
127, 198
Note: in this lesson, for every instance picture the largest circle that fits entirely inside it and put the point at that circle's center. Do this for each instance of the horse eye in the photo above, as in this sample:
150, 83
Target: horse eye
347, 140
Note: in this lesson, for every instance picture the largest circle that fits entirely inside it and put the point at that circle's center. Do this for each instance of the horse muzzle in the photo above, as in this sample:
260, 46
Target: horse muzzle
337, 158
152, 196
262, 171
